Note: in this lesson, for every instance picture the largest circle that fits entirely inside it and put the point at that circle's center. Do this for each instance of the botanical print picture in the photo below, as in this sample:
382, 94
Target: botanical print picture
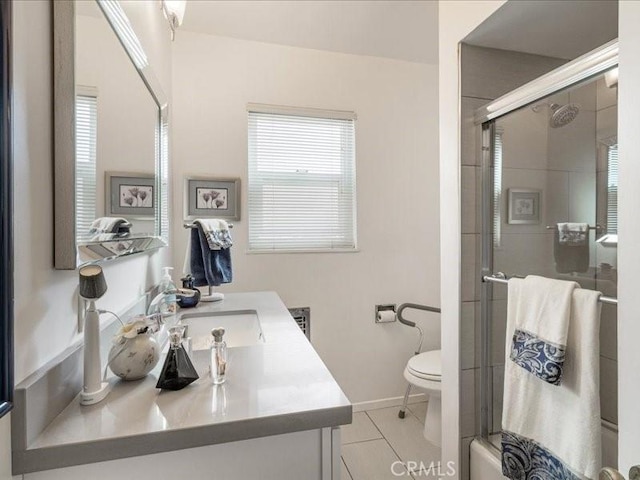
206, 197
130, 195
136, 196
524, 206
212, 198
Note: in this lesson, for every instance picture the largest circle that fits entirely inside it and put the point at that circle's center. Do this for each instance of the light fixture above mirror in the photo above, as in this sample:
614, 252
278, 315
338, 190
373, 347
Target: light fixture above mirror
174, 11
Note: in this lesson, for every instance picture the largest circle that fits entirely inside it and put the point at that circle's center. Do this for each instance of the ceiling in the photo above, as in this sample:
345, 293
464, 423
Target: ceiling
399, 29
562, 29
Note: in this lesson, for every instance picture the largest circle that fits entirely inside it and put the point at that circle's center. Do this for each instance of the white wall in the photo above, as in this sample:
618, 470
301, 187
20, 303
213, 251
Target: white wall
629, 231
456, 21
45, 299
397, 183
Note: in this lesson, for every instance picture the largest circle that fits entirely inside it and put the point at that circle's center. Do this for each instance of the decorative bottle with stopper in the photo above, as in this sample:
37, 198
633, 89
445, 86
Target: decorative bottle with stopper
178, 371
218, 357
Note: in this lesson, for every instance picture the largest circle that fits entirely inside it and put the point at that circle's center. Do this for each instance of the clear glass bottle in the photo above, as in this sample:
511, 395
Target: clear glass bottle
218, 357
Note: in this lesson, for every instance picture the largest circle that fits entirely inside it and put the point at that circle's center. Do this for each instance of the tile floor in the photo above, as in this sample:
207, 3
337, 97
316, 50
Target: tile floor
378, 438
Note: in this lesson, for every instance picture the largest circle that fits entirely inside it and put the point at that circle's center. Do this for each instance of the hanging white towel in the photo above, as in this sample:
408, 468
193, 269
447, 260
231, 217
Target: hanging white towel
551, 431
573, 234
107, 225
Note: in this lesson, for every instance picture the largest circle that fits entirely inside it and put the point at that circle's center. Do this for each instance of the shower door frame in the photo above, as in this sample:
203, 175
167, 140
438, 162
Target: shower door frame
572, 73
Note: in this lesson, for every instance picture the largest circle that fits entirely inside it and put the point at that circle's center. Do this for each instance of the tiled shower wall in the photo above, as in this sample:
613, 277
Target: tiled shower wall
486, 75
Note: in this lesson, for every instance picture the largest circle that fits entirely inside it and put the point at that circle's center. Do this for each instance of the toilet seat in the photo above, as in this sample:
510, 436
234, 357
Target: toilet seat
427, 365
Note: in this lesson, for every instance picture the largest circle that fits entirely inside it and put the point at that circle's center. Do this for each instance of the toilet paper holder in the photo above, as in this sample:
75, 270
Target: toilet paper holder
385, 313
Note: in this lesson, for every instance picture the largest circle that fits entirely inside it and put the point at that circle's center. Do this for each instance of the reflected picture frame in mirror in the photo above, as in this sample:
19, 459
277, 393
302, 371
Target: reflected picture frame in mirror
72, 250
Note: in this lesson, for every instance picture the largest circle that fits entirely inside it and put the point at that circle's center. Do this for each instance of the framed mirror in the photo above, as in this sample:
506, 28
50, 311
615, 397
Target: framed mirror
111, 146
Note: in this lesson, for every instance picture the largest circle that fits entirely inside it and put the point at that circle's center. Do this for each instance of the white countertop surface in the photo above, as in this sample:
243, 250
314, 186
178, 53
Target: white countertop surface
271, 388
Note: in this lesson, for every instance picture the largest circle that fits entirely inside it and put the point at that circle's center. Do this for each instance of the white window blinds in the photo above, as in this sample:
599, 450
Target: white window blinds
86, 141
497, 186
612, 189
301, 180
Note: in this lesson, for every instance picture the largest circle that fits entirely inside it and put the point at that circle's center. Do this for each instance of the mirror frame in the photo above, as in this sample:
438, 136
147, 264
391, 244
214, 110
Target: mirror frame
6, 214
64, 89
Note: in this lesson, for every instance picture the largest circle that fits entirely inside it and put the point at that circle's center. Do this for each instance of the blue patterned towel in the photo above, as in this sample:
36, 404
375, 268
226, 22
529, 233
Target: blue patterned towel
541, 324
542, 358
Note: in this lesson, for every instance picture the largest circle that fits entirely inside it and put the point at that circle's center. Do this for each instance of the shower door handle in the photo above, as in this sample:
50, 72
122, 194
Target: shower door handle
609, 473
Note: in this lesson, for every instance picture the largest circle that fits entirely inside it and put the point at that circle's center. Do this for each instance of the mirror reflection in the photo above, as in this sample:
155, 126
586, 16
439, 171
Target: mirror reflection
116, 142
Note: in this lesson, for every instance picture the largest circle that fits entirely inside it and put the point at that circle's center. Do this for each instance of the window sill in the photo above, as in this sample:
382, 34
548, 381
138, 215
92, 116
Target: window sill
310, 250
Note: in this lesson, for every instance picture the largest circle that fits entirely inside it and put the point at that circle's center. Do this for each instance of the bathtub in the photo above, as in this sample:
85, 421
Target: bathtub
484, 463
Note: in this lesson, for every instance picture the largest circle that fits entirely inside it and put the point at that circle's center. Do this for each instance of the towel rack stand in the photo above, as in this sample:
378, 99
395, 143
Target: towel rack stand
502, 279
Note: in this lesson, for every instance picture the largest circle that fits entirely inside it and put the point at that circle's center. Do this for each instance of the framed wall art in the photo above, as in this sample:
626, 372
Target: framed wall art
212, 197
130, 194
524, 206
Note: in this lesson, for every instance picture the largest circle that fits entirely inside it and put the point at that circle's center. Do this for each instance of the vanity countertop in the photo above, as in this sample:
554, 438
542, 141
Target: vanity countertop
278, 387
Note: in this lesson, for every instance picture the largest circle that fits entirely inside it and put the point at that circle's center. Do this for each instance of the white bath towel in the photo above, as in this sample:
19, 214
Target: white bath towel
541, 316
552, 431
107, 225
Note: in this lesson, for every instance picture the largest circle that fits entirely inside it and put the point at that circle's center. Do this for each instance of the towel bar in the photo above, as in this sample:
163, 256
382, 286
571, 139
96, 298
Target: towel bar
502, 279
597, 228
193, 225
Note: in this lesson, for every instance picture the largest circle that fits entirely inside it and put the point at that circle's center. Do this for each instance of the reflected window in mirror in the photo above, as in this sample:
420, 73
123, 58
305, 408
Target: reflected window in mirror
612, 189
497, 185
86, 141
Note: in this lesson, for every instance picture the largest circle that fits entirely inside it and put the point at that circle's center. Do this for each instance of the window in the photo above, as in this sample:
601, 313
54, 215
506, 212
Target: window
301, 180
612, 189
497, 185
86, 141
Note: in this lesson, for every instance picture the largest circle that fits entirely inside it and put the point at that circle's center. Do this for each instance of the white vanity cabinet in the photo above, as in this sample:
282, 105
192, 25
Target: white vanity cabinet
308, 455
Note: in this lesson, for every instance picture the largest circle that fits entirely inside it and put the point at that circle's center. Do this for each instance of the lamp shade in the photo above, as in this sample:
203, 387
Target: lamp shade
92, 282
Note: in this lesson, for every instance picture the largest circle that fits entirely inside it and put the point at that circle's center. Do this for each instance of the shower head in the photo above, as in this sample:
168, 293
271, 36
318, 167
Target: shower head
563, 114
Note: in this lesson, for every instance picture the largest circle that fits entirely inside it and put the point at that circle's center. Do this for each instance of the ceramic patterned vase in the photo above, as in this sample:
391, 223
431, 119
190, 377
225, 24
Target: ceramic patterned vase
135, 357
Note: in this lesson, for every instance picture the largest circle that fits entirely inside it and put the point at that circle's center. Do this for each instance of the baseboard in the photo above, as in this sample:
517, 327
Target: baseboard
388, 402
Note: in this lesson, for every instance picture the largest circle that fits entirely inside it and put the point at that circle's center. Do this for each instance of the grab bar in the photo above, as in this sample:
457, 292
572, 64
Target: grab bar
502, 278
415, 306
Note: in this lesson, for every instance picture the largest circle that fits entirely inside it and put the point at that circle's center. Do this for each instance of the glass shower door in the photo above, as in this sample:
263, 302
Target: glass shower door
548, 166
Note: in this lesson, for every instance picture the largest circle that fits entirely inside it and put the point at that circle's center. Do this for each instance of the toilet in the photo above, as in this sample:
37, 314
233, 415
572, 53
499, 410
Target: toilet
425, 372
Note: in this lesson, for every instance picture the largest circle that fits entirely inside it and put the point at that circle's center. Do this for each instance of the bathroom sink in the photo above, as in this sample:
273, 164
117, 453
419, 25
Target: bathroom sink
242, 328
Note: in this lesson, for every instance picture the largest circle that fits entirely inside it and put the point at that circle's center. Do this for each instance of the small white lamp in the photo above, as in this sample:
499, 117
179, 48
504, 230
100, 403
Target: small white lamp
92, 287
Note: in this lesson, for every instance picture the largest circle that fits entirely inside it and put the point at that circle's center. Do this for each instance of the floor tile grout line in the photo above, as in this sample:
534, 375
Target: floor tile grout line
374, 440
390, 446
346, 467
364, 441
415, 414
